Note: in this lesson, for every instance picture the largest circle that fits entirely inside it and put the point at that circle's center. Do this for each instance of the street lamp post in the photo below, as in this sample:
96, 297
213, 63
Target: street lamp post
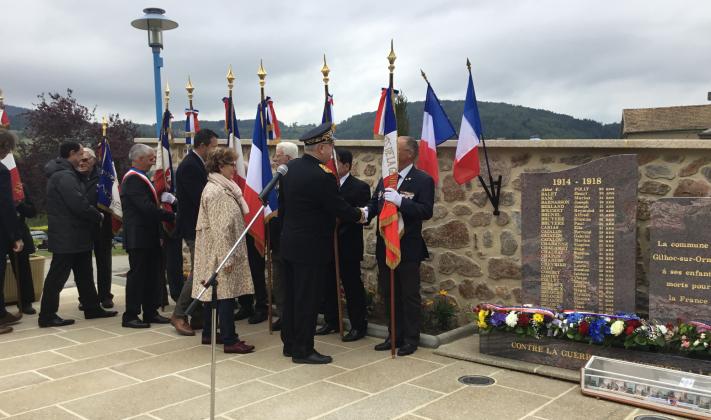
155, 22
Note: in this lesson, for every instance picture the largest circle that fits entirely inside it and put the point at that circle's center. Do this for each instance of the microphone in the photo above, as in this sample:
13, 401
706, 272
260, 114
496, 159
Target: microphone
281, 171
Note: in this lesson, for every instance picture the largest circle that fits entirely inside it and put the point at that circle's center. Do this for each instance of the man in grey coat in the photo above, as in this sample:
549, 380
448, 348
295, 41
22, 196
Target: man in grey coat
71, 222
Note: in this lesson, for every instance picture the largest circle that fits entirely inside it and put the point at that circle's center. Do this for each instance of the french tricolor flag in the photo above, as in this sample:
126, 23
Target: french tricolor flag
466, 158
436, 129
259, 173
192, 125
18, 193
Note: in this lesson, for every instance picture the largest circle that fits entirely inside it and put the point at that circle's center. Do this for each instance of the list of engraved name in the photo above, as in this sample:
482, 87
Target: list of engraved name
577, 251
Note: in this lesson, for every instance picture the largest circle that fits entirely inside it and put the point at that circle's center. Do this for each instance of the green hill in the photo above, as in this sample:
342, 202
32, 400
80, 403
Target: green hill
499, 120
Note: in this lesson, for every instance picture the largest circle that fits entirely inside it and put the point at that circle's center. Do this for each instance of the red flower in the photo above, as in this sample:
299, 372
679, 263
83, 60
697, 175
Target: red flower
634, 323
523, 320
629, 330
583, 328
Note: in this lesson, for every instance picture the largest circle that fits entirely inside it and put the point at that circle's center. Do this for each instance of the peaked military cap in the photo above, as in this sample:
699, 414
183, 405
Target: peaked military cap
323, 132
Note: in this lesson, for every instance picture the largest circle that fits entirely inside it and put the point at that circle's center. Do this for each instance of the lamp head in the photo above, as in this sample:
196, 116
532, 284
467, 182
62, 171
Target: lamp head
155, 22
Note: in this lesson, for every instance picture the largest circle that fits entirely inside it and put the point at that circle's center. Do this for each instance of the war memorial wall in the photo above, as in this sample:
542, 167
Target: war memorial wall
477, 257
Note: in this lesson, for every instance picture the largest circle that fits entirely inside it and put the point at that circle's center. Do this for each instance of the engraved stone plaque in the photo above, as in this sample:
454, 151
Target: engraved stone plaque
579, 236
680, 260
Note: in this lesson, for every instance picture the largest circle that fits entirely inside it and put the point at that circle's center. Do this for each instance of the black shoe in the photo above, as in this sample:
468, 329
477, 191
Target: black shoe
325, 329
385, 345
244, 313
286, 353
80, 307
28, 310
406, 349
276, 325
54, 322
314, 358
135, 323
107, 303
354, 335
157, 319
257, 317
99, 313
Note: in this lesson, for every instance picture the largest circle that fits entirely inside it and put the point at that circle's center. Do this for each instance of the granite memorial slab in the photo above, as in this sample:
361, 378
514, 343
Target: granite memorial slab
680, 260
579, 236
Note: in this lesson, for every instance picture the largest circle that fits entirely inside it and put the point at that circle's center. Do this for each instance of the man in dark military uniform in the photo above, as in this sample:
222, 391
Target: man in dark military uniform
309, 204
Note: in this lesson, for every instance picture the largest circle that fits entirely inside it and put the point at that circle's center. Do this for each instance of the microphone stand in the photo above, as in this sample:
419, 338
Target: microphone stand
212, 282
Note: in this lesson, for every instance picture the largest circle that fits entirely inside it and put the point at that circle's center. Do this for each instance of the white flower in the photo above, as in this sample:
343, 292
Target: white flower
706, 344
696, 343
511, 319
662, 329
617, 327
703, 336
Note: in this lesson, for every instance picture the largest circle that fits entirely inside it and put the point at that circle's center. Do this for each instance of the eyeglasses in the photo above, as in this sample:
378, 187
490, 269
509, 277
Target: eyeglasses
84, 160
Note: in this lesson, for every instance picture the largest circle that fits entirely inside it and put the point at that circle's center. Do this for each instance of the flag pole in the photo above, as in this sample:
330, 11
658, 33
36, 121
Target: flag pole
339, 296
262, 74
493, 190
189, 87
391, 59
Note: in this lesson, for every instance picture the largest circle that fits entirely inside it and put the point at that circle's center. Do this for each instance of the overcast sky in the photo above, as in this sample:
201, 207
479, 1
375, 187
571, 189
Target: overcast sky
587, 59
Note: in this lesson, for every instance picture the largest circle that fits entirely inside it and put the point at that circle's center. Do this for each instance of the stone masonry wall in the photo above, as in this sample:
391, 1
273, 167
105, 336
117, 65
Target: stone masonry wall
476, 256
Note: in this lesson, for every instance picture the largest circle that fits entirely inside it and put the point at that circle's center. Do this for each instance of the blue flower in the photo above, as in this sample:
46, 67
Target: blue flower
498, 318
598, 330
574, 318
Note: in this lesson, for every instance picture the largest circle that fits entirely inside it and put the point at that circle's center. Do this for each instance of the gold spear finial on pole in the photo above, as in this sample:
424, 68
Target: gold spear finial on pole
469, 65
167, 95
391, 57
325, 71
189, 87
424, 76
104, 125
230, 79
261, 73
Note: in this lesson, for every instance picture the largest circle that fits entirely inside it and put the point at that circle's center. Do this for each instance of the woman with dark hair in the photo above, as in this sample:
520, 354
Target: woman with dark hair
219, 224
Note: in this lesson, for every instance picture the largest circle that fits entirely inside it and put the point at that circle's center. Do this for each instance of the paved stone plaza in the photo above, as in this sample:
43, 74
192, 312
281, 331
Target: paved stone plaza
98, 370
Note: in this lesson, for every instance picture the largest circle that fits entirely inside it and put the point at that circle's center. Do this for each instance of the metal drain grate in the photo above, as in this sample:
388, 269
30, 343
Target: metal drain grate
652, 417
477, 380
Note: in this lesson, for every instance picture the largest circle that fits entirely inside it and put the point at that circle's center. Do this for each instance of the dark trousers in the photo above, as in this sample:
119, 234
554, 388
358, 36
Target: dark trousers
102, 255
277, 283
21, 266
185, 298
303, 285
225, 320
57, 277
257, 265
3, 266
355, 296
407, 299
173, 257
143, 285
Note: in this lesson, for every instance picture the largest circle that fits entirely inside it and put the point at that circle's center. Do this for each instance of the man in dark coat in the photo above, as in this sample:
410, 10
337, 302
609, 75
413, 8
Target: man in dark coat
350, 254
103, 234
309, 204
414, 198
72, 219
21, 260
10, 236
190, 180
142, 216
284, 152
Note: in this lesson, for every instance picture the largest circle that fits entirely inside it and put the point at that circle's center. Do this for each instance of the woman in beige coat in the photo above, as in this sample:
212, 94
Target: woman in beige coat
219, 224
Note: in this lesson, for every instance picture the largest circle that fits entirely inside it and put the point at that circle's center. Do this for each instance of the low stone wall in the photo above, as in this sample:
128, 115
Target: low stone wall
476, 256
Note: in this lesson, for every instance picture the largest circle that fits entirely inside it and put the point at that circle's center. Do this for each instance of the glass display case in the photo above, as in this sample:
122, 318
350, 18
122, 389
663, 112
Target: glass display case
656, 388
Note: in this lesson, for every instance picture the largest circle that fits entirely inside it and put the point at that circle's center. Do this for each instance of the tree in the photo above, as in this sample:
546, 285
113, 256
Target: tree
403, 124
58, 118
